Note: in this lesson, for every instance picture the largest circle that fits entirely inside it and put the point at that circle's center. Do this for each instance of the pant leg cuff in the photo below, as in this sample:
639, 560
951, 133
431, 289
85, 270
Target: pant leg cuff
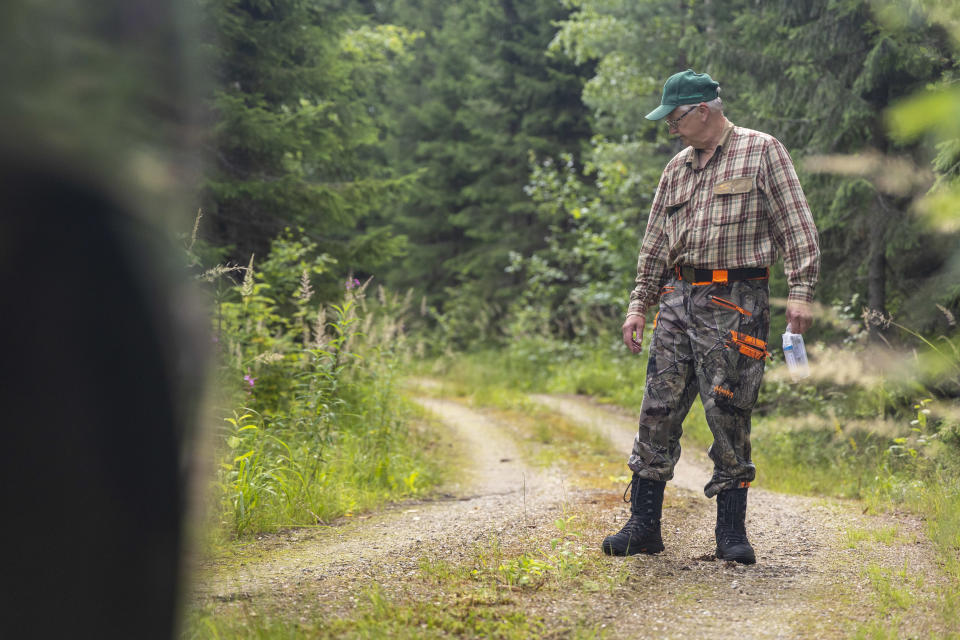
714, 487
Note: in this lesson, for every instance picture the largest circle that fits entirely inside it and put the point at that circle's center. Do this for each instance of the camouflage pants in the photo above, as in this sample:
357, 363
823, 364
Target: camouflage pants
710, 339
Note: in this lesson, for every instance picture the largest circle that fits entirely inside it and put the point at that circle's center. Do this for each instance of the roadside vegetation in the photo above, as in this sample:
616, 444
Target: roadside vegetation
312, 426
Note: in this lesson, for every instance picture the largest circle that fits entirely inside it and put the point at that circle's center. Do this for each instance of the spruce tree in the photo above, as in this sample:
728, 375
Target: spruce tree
294, 132
481, 94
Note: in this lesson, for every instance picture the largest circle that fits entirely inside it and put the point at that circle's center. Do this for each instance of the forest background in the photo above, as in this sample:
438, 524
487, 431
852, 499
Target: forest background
488, 170
457, 191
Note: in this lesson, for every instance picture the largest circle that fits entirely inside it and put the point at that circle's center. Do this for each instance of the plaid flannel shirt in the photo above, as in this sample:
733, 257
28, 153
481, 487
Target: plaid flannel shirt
743, 209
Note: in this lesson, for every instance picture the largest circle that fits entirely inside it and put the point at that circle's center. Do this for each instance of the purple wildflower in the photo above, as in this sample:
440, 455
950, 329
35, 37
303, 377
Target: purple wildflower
352, 284
249, 379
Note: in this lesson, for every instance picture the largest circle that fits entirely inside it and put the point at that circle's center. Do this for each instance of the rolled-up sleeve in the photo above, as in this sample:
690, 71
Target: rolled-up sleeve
791, 221
651, 264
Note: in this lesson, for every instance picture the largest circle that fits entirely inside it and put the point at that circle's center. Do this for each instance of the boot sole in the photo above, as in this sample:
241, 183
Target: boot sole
649, 550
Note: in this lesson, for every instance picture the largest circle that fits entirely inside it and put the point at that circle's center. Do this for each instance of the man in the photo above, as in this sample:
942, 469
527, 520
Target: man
726, 206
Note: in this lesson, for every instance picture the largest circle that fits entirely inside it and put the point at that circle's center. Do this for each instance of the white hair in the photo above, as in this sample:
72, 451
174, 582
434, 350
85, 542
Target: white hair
716, 105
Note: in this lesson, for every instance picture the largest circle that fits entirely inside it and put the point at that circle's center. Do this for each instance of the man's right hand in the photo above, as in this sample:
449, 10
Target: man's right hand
633, 332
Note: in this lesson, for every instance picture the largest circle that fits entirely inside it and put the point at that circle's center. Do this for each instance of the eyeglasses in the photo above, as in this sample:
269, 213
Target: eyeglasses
673, 124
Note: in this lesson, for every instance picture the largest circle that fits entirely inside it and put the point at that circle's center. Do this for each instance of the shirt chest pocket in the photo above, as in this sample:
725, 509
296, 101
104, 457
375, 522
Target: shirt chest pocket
678, 210
733, 200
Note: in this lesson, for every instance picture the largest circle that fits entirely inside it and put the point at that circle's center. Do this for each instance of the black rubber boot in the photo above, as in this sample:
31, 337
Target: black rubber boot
731, 531
641, 534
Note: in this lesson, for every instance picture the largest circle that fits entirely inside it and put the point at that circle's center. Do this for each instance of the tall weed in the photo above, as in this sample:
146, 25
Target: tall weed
321, 430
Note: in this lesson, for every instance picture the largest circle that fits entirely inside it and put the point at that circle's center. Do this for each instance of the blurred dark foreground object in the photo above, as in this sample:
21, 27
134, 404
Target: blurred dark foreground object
96, 357
101, 359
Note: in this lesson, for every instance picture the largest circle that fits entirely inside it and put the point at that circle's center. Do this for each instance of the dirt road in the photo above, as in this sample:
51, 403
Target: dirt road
824, 569
809, 580
494, 490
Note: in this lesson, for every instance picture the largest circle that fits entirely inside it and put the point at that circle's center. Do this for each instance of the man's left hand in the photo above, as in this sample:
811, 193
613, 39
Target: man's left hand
799, 316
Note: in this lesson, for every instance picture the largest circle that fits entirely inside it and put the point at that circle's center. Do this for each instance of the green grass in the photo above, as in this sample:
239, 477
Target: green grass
380, 615
489, 596
601, 371
891, 589
503, 379
877, 630
274, 475
855, 537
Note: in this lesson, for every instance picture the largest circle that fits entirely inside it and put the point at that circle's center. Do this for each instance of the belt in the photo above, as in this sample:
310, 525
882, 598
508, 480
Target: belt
720, 276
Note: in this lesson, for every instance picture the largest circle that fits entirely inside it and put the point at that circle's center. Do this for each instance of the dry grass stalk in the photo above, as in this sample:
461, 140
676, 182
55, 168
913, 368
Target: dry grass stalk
246, 289
196, 228
363, 287
320, 329
269, 357
948, 315
217, 272
367, 328
305, 292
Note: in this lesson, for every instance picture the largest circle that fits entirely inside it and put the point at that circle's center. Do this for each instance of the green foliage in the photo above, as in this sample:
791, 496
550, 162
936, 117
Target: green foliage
578, 279
931, 116
322, 431
478, 96
890, 589
295, 135
562, 562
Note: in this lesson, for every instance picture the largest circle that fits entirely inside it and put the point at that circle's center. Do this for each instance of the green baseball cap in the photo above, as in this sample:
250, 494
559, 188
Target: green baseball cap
686, 87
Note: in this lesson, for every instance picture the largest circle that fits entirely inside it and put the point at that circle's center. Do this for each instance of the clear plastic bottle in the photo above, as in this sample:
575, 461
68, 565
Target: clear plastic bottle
795, 354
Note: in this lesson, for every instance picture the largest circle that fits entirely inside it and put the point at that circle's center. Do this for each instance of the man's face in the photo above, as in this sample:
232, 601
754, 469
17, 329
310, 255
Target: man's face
682, 122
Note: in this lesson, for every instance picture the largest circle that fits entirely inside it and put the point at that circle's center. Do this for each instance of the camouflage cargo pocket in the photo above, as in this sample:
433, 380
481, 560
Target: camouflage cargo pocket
735, 367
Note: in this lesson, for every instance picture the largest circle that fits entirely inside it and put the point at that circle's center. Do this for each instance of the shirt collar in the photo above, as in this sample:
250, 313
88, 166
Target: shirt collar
693, 158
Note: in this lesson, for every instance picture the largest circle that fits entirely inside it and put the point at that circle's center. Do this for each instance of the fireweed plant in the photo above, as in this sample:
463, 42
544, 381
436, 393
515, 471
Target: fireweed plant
318, 429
